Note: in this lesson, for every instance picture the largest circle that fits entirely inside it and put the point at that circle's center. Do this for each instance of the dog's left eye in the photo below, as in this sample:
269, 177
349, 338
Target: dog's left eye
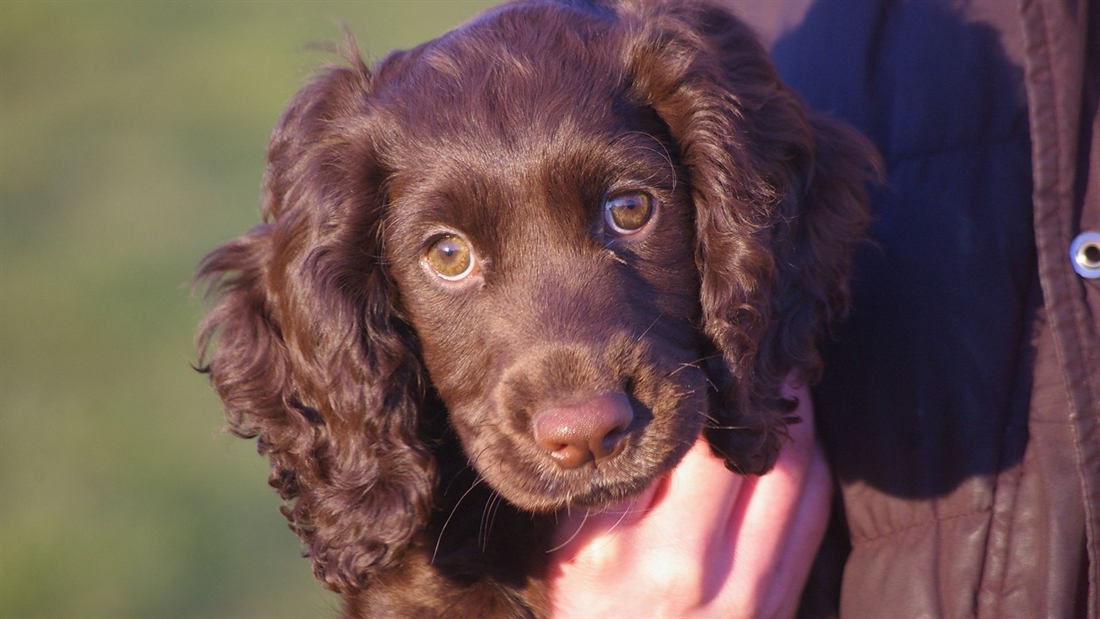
451, 258
626, 213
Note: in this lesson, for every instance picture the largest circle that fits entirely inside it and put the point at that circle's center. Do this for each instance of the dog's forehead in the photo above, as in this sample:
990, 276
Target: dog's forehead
521, 75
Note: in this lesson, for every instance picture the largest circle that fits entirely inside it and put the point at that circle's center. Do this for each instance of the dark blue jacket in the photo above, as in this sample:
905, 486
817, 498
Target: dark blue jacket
961, 402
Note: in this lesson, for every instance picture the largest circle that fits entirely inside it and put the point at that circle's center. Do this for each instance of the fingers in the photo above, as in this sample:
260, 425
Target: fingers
780, 521
811, 517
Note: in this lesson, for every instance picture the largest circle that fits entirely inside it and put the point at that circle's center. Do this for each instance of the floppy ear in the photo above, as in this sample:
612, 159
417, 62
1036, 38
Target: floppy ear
780, 201
305, 349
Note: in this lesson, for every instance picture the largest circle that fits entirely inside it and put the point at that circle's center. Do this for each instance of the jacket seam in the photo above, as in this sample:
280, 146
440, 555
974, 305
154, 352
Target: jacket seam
864, 539
1053, 272
1072, 350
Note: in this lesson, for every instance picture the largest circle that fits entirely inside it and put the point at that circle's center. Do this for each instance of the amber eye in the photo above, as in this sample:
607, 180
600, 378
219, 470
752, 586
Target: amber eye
626, 213
450, 258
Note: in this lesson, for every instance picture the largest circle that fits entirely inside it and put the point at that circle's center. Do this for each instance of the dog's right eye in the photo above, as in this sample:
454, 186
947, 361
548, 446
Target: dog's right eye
626, 213
450, 258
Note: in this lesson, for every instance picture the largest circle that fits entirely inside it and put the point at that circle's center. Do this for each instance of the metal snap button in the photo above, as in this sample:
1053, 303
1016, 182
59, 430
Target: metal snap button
1084, 252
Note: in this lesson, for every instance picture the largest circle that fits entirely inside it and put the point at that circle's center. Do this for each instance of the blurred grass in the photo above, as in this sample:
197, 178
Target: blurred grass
132, 140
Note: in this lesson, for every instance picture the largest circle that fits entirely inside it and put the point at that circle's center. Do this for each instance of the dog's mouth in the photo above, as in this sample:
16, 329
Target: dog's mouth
585, 426
591, 453
594, 489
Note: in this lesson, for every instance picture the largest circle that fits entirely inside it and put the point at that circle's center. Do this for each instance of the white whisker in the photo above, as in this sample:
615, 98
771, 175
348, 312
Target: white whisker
439, 539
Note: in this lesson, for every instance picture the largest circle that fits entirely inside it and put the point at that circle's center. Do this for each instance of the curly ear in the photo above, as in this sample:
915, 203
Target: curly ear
305, 349
780, 201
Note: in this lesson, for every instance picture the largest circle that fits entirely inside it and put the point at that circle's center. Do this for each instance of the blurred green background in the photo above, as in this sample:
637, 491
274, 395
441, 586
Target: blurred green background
132, 138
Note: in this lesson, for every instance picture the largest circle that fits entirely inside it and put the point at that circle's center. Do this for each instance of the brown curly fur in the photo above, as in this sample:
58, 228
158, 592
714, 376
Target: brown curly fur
396, 411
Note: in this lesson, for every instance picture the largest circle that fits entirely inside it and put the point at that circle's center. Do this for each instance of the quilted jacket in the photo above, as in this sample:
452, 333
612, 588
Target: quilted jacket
961, 402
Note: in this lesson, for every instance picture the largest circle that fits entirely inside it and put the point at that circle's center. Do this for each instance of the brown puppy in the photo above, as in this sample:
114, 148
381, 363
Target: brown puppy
531, 259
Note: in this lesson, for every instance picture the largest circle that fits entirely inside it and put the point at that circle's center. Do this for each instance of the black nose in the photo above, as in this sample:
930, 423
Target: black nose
590, 430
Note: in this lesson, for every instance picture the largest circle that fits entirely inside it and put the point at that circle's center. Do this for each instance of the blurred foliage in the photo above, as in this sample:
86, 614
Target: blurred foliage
132, 139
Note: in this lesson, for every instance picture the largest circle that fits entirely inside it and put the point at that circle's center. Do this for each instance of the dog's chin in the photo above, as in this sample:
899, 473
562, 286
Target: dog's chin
590, 487
594, 497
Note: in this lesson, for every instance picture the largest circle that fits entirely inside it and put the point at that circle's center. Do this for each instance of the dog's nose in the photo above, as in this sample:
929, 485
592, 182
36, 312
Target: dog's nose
588, 430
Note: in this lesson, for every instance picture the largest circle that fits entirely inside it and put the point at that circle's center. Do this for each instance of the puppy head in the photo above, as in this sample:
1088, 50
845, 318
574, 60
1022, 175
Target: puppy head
586, 229
539, 232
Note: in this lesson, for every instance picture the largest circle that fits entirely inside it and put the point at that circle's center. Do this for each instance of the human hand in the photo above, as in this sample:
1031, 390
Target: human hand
701, 541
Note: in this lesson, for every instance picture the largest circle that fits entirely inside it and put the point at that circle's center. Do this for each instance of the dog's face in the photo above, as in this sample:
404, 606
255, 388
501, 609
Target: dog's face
553, 218
544, 254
